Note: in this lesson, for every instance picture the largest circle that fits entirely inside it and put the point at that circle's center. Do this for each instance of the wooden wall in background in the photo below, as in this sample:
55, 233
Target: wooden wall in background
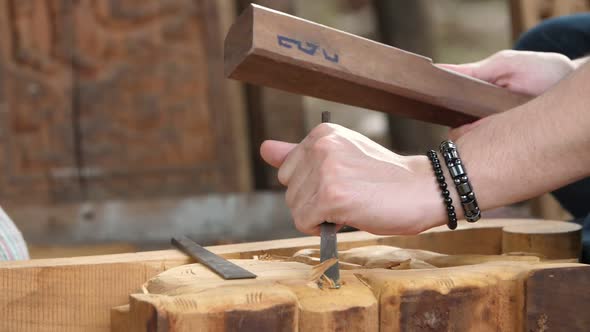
273, 114
409, 26
528, 13
117, 99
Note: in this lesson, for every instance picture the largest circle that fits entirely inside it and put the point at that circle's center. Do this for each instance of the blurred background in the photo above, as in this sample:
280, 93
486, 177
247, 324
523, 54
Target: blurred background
118, 129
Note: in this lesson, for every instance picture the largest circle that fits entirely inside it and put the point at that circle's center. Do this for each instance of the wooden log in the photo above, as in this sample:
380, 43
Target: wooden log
553, 297
481, 297
273, 49
271, 303
73, 294
543, 239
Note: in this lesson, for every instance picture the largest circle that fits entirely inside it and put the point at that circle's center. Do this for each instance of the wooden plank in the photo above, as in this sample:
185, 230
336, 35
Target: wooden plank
46, 251
273, 49
45, 296
477, 297
72, 294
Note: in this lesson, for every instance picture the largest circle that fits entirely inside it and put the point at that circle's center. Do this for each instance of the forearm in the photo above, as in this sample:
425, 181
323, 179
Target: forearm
532, 149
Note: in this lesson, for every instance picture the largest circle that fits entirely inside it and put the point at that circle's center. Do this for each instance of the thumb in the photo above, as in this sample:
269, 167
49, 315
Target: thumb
275, 152
469, 69
488, 70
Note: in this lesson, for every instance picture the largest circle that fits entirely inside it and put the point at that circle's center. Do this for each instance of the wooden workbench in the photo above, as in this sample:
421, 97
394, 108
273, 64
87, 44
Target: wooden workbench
78, 294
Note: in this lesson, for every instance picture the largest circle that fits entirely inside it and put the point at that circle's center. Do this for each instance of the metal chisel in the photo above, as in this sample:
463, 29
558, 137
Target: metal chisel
328, 242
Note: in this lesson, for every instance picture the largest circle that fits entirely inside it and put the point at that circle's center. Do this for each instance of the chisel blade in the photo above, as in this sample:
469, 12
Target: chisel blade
328, 242
328, 249
224, 268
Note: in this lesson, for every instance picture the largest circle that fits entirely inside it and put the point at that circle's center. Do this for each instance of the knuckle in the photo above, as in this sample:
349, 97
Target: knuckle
299, 227
299, 223
322, 129
328, 168
331, 193
323, 145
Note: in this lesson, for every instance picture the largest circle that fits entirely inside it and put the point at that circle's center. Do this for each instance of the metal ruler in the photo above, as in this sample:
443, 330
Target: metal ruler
224, 268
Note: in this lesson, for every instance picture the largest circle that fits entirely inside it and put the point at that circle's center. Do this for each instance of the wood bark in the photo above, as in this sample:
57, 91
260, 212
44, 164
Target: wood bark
73, 294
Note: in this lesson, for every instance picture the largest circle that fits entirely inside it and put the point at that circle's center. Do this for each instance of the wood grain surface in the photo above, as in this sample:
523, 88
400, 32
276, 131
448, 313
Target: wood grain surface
554, 298
73, 294
481, 294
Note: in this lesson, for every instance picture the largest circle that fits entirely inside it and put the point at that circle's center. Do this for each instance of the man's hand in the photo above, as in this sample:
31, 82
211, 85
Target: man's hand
341, 176
530, 73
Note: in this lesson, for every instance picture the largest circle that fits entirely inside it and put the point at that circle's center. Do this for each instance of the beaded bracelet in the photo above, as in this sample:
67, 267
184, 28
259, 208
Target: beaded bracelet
459, 175
442, 184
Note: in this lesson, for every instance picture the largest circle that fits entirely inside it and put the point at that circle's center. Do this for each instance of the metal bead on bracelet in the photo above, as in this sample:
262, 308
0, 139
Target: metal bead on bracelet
449, 151
442, 184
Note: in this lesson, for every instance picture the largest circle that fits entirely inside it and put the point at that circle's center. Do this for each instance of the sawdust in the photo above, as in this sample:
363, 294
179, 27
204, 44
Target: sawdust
325, 281
318, 270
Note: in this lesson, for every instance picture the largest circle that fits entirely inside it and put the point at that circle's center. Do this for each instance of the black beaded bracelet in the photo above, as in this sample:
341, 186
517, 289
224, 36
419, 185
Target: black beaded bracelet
442, 184
449, 151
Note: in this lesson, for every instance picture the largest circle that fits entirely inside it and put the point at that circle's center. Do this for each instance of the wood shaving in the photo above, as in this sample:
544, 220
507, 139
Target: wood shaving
318, 270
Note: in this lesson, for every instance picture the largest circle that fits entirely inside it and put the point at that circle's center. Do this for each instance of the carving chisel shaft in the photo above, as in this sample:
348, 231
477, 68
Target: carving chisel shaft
328, 242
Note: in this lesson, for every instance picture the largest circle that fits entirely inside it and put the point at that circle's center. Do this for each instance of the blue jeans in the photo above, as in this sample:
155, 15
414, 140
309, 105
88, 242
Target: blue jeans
570, 36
